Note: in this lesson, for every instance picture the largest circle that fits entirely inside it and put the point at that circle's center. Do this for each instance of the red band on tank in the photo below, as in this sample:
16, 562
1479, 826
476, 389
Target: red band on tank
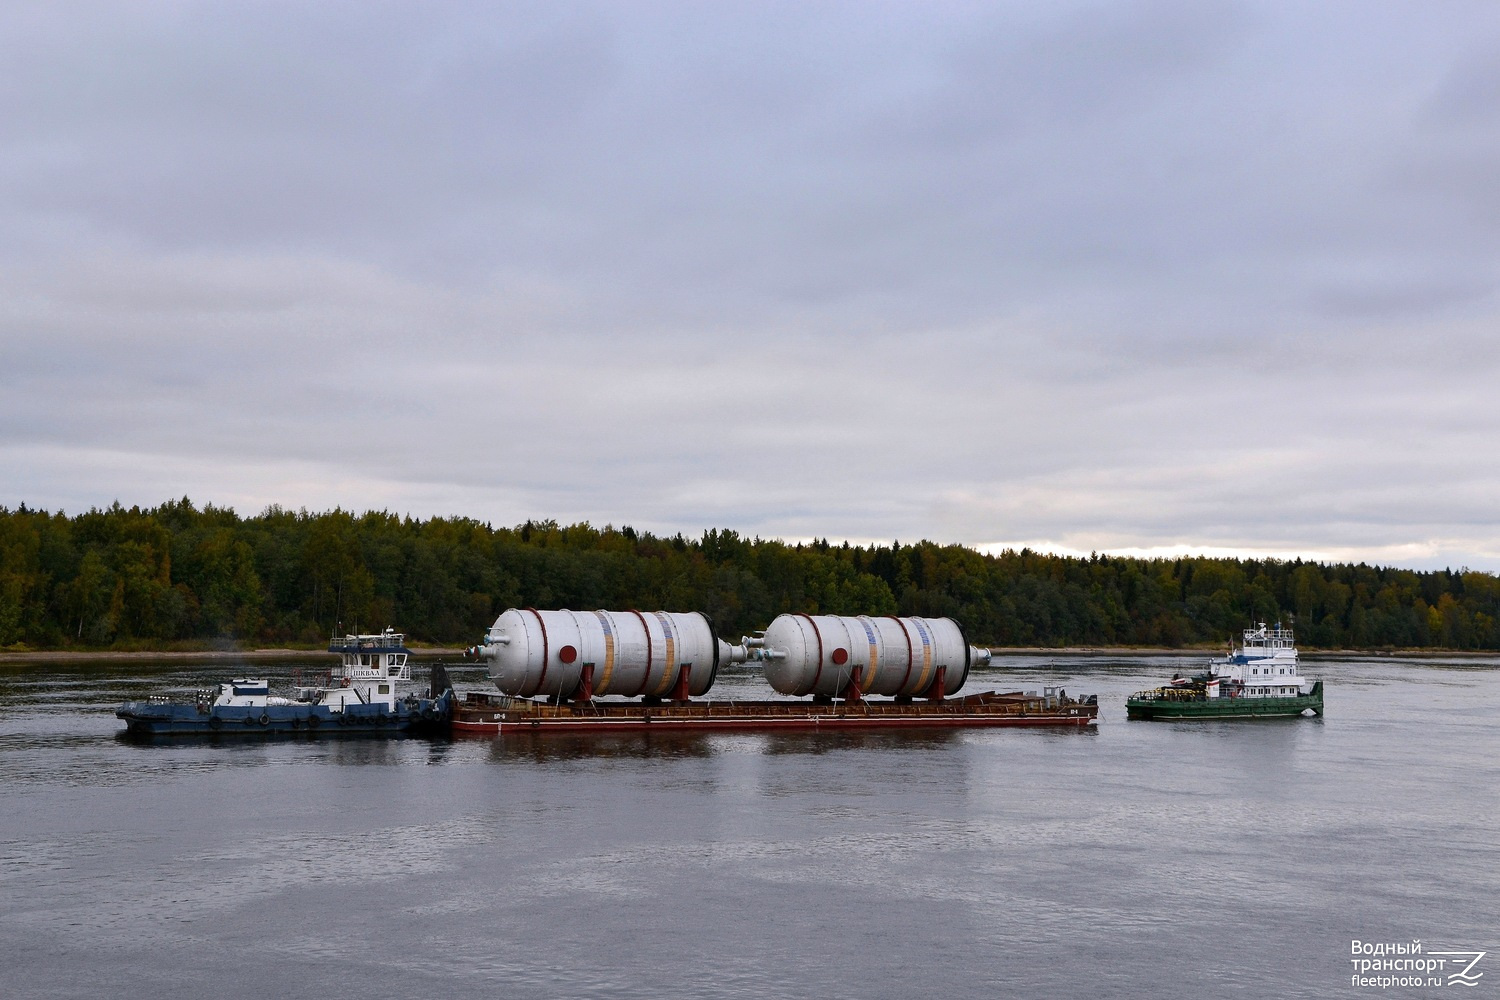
713, 641
968, 654
907, 676
542, 679
646, 677
819, 636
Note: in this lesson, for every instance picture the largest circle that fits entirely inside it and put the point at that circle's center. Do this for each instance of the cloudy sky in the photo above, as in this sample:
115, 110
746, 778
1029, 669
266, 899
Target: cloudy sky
1149, 276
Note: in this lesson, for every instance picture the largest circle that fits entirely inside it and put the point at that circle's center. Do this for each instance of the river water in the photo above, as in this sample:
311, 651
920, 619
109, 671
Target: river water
1139, 859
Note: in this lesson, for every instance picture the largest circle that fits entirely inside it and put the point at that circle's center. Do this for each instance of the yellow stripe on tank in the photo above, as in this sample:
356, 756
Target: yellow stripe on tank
869, 675
669, 676
924, 677
607, 624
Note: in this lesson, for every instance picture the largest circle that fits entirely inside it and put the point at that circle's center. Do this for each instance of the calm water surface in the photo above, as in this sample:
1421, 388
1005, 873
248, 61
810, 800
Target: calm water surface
1141, 859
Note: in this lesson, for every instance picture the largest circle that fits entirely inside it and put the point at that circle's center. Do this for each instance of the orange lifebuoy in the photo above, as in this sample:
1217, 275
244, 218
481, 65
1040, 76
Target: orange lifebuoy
346, 682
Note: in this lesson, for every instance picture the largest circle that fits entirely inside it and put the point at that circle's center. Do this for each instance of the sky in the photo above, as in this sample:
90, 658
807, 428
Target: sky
1143, 278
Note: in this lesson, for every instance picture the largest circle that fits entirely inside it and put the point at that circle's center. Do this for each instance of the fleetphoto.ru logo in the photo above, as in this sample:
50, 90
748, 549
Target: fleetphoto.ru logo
1401, 964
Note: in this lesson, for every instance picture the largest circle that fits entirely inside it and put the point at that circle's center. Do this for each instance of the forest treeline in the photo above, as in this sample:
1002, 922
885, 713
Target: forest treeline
179, 574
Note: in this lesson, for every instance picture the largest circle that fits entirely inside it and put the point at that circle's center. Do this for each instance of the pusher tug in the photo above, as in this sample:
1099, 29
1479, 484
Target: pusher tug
370, 692
1259, 679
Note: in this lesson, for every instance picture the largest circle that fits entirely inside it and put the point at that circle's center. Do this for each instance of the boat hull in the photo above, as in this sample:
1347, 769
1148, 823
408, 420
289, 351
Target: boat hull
1226, 708
486, 717
153, 719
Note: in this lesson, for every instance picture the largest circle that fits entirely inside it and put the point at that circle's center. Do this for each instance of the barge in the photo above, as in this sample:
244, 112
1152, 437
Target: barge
480, 713
631, 671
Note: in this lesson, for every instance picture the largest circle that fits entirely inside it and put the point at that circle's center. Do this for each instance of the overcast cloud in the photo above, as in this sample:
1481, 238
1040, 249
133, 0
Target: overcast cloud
1128, 277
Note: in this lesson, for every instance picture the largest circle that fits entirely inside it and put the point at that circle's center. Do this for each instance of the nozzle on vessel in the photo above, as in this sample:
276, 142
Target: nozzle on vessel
732, 654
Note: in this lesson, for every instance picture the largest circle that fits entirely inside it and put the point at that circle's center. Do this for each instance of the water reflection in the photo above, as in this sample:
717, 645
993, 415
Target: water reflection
837, 741
551, 747
677, 745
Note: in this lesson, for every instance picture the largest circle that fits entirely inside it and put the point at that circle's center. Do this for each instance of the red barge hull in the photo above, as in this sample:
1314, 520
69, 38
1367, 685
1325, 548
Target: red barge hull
492, 715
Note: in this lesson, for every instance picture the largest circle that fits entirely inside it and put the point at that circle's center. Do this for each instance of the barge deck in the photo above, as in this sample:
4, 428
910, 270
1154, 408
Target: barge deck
487, 714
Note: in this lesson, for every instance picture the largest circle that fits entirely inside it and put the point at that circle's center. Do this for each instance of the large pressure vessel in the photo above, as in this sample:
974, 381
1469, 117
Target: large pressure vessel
821, 654
631, 653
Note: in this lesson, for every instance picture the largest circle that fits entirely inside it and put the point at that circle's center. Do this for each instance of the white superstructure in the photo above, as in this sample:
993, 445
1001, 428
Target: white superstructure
1265, 666
370, 669
247, 692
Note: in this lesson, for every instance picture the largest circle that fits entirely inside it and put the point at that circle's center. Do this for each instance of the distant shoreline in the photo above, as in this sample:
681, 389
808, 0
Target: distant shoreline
1200, 652
454, 652
200, 655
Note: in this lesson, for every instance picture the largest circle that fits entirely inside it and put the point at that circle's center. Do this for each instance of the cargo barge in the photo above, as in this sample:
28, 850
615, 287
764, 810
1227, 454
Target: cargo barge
479, 713
633, 671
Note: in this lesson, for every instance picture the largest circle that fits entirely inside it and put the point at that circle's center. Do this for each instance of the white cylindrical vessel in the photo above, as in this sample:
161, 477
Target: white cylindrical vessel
630, 653
821, 654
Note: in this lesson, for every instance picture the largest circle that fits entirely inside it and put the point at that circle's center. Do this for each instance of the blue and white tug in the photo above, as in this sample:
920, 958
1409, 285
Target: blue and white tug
370, 692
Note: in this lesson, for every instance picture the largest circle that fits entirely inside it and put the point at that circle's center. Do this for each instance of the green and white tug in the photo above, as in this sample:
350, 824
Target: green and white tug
1259, 679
